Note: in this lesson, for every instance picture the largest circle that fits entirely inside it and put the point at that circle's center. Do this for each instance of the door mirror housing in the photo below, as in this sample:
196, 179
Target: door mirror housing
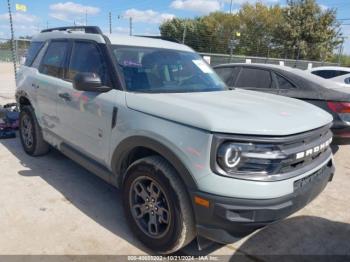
90, 82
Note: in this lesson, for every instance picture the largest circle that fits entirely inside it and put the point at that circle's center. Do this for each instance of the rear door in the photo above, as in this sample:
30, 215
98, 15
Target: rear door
287, 87
256, 79
49, 79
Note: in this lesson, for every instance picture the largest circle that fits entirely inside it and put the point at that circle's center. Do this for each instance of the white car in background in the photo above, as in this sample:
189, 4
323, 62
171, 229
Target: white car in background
337, 74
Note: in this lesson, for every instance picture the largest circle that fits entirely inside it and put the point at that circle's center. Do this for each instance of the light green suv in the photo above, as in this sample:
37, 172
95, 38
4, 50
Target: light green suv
193, 159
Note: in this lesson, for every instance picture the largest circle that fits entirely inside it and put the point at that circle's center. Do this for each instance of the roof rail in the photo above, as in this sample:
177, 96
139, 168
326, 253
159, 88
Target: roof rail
87, 29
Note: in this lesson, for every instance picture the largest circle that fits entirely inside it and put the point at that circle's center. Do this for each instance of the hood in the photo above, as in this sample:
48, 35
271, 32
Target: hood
235, 111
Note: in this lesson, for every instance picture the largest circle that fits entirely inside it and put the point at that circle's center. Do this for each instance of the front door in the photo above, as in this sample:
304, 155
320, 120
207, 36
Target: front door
85, 117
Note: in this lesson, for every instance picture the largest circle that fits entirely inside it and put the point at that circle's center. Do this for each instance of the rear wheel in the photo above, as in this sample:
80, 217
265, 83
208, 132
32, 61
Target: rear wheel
156, 205
30, 133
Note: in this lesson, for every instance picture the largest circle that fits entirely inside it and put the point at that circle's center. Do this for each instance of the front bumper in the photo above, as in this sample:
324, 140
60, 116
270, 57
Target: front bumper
228, 219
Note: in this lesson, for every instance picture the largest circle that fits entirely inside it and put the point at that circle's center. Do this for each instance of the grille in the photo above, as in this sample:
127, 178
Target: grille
308, 141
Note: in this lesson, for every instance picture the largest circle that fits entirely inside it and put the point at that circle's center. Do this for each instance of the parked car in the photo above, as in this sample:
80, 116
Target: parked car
337, 74
191, 157
295, 83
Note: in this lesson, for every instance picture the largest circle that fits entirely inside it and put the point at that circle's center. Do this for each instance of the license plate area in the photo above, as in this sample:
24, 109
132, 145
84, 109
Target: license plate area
301, 183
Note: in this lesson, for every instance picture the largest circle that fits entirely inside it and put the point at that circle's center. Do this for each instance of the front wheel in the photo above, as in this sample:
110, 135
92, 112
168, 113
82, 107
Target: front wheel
157, 206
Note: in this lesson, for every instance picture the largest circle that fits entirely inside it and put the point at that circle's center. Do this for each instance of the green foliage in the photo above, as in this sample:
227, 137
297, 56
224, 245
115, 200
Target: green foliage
20, 44
204, 34
302, 29
308, 31
344, 60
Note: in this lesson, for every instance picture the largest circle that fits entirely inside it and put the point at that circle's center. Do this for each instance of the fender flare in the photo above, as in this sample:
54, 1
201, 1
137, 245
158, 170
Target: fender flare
130, 143
19, 94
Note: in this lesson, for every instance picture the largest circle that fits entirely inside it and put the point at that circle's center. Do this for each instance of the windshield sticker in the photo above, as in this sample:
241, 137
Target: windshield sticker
203, 66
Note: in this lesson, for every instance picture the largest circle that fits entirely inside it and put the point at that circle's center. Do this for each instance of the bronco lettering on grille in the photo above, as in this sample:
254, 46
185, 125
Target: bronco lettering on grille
314, 150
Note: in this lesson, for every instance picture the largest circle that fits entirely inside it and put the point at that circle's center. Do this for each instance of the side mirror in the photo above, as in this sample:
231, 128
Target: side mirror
89, 82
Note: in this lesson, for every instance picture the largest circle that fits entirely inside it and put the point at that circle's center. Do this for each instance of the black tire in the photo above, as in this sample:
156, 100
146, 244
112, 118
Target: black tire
37, 146
180, 228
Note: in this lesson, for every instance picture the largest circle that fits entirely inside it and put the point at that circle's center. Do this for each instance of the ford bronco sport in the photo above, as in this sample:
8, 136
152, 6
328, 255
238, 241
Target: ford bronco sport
192, 158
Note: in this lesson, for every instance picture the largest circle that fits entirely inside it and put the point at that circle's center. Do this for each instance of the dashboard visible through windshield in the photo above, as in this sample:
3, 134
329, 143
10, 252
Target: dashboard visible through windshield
163, 70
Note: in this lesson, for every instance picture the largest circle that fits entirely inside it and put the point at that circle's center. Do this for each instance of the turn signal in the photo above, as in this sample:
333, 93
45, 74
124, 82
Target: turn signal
201, 201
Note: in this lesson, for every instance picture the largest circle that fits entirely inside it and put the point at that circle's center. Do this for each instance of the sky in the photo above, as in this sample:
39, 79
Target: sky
146, 14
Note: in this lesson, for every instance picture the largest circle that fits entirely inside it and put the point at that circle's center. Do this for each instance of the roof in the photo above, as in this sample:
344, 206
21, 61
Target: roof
115, 39
146, 42
68, 35
335, 68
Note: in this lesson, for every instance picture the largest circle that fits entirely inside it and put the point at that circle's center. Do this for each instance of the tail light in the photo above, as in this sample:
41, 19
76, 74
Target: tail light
339, 107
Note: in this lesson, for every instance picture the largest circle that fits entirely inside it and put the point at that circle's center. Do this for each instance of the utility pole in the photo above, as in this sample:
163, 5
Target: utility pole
340, 51
13, 48
231, 7
110, 22
184, 34
130, 23
85, 17
130, 26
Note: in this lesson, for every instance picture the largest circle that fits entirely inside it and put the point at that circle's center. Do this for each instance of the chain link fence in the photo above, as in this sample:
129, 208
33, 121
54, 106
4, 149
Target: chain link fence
217, 59
21, 47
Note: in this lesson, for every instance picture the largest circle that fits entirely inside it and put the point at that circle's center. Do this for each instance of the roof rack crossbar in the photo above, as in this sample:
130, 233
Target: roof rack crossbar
87, 29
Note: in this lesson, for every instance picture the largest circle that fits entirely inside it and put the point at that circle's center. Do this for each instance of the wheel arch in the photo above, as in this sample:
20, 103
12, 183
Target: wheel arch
126, 147
23, 99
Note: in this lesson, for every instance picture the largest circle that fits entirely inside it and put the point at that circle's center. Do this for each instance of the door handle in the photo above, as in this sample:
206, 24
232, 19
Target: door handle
65, 96
35, 86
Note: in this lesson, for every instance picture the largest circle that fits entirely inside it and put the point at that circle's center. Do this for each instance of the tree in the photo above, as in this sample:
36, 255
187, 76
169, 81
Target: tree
308, 31
301, 30
258, 24
204, 34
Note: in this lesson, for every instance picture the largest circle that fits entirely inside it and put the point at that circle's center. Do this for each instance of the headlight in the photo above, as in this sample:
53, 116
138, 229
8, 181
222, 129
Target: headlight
229, 155
247, 159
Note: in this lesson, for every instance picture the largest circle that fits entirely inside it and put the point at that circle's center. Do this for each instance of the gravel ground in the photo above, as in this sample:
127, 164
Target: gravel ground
50, 205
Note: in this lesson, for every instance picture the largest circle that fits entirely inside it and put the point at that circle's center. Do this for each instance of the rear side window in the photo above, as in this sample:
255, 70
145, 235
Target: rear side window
283, 83
228, 74
33, 50
87, 58
53, 62
329, 73
255, 78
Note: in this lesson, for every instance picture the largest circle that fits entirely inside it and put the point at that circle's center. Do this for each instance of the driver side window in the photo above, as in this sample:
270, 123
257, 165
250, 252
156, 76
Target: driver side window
87, 58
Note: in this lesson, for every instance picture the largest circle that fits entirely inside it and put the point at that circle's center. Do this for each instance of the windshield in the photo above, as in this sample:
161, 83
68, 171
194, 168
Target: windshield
162, 70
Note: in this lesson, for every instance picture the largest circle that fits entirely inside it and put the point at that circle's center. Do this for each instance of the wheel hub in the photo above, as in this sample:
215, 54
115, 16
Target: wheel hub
27, 131
150, 207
